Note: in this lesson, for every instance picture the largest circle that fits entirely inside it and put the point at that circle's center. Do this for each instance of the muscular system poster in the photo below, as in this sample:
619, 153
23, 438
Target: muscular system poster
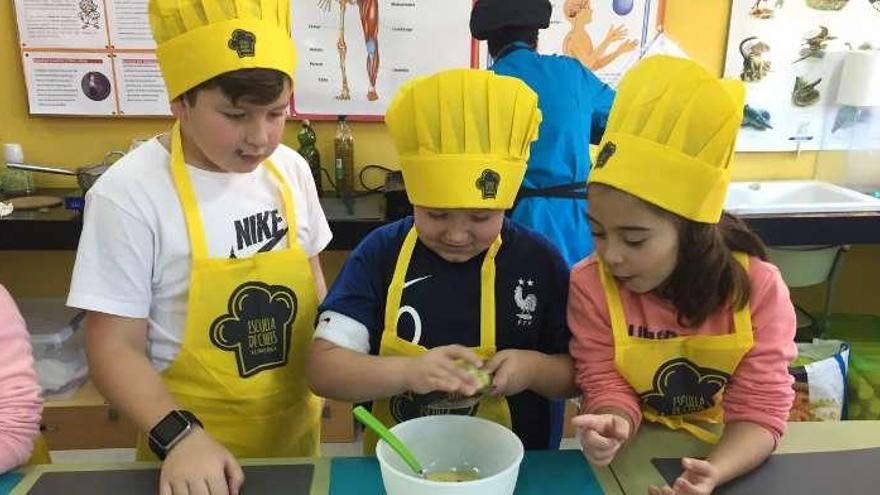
353, 54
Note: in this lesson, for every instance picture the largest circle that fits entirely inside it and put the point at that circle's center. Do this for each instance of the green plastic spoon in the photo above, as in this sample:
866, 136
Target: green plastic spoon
373, 423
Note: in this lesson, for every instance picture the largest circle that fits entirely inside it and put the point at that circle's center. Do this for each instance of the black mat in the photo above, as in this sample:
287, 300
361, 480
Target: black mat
816, 473
264, 480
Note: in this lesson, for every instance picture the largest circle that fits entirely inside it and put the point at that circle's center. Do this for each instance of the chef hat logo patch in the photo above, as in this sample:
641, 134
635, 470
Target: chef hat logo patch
243, 43
488, 183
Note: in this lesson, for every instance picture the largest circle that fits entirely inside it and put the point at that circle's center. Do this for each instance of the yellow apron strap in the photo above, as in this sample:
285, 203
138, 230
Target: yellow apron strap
194, 226
487, 297
679, 423
615, 307
40, 454
289, 207
487, 290
742, 318
395, 290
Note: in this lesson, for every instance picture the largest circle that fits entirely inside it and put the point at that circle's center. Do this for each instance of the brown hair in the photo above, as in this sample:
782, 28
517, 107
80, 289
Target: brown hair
707, 277
257, 86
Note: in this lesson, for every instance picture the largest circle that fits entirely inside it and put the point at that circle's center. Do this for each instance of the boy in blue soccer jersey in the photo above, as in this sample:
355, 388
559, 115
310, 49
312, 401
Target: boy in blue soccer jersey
456, 283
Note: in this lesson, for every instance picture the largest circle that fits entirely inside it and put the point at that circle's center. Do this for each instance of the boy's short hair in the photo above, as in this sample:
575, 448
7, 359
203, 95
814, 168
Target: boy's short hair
257, 86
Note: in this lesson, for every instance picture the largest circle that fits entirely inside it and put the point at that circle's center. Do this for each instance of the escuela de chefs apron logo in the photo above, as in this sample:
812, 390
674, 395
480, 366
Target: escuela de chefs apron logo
257, 327
243, 43
681, 387
410, 405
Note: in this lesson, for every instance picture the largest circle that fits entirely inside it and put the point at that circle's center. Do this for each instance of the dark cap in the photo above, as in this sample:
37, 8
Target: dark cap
494, 15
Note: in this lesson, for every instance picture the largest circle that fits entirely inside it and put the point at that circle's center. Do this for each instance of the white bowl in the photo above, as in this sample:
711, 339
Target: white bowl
446, 442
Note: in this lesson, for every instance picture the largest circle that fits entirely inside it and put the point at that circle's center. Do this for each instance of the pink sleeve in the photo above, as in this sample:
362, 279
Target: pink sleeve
592, 347
20, 403
760, 389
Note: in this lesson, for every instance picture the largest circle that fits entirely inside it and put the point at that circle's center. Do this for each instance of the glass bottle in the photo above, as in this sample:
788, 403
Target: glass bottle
343, 150
307, 139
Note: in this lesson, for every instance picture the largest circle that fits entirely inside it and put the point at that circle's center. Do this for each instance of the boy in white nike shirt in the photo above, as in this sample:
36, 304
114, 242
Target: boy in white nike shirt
198, 261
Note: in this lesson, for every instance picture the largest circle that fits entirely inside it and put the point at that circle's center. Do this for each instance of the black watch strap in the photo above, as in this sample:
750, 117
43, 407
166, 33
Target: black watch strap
184, 419
191, 417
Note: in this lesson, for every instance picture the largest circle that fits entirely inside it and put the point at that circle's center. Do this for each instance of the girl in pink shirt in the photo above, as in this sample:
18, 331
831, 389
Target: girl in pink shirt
20, 403
679, 320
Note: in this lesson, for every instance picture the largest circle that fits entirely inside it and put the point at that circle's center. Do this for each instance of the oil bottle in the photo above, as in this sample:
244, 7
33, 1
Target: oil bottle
307, 139
343, 149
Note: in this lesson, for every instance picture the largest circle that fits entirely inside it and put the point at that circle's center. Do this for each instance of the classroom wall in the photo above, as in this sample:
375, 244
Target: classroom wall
698, 26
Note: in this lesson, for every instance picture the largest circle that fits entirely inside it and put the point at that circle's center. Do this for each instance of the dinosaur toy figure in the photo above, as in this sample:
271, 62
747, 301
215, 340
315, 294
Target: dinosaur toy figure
760, 12
755, 67
827, 4
805, 94
756, 118
816, 44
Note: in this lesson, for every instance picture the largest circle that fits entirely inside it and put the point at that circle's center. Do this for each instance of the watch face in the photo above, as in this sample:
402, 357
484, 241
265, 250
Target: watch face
169, 428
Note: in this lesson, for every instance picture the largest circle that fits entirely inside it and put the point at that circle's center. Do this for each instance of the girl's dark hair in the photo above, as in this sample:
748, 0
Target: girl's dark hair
707, 277
257, 86
502, 37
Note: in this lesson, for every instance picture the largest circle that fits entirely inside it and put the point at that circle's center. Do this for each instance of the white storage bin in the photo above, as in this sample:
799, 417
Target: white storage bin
49, 322
59, 351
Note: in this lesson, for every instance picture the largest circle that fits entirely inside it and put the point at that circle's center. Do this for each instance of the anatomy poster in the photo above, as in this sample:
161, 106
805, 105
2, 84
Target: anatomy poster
353, 54
608, 36
790, 53
89, 57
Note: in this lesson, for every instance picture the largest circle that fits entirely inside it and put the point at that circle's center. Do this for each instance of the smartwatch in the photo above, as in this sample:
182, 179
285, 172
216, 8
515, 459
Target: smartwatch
171, 430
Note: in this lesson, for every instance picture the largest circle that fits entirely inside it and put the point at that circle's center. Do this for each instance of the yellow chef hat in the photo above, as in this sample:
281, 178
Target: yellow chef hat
463, 136
670, 137
200, 39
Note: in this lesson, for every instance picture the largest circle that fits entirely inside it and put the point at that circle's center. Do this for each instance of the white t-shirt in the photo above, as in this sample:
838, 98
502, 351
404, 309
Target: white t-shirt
134, 253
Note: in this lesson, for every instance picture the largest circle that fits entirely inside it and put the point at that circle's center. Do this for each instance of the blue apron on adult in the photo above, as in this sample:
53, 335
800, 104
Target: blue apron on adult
575, 105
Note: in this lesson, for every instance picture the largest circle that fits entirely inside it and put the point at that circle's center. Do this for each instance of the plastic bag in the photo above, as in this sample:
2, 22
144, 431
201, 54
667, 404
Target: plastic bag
862, 332
864, 381
820, 372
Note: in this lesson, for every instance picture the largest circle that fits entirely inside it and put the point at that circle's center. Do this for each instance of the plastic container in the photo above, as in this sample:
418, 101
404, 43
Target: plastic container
49, 322
15, 182
448, 442
58, 348
803, 266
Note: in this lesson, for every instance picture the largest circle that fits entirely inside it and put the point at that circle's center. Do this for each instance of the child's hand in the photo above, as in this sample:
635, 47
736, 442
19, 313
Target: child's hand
512, 370
199, 464
439, 369
601, 436
699, 478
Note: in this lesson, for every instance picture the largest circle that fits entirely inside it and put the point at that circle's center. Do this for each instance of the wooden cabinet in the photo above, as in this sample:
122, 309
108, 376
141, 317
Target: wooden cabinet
86, 421
337, 423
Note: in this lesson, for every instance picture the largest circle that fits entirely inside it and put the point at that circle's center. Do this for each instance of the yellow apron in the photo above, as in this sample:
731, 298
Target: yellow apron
242, 366
40, 454
399, 408
679, 380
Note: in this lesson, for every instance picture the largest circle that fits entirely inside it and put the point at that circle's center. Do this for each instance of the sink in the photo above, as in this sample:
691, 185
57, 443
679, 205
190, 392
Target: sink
795, 196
